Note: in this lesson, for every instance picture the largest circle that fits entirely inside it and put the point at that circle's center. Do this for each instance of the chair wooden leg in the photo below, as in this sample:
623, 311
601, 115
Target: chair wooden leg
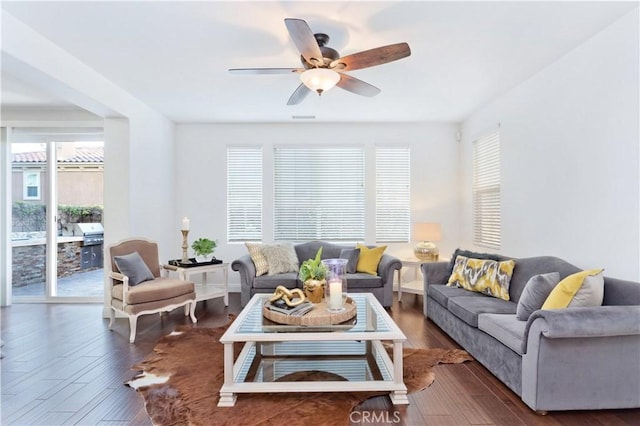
192, 311
133, 322
112, 317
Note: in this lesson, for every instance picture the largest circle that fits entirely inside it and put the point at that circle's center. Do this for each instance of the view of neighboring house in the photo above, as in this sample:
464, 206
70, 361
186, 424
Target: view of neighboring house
80, 175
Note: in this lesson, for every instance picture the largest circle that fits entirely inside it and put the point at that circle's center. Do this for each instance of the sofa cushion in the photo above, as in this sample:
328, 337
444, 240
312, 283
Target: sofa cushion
441, 293
287, 279
281, 258
359, 280
581, 289
535, 293
162, 288
507, 329
483, 275
369, 258
258, 259
467, 308
352, 256
133, 267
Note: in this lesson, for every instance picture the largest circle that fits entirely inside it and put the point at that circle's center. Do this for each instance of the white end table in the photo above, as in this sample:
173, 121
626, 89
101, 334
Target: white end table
206, 291
415, 286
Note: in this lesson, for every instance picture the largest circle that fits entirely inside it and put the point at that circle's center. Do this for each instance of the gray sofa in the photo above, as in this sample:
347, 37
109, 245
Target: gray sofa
380, 285
564, 359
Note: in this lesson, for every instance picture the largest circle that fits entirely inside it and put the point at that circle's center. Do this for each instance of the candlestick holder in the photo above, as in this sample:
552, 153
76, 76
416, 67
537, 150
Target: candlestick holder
185, 246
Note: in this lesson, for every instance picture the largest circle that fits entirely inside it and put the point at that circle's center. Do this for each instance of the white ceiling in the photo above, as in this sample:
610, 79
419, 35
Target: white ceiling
174, 56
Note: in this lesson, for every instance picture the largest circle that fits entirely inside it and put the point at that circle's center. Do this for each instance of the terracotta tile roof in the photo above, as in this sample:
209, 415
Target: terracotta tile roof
82, 155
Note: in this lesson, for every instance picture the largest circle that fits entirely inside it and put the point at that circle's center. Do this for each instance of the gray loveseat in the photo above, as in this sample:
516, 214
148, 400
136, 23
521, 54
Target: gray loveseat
564, 359
381, 285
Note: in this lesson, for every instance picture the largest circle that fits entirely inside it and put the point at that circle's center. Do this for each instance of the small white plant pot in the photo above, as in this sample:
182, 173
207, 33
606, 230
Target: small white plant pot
204, 258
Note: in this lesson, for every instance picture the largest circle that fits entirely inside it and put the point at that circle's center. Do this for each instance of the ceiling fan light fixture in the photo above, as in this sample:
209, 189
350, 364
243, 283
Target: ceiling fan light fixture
319, 79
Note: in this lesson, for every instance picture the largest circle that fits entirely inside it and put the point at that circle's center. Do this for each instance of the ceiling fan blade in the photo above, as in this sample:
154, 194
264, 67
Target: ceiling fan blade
265, 70
370, 58
298, 95
357, 86
304, 40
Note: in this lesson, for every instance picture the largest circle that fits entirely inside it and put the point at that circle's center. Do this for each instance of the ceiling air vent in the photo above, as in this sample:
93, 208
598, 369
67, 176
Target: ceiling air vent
303, 117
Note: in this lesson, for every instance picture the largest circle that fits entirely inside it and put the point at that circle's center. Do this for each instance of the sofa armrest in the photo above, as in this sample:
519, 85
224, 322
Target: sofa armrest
434, 273
387, 266
599, 321
582, 358
245, 266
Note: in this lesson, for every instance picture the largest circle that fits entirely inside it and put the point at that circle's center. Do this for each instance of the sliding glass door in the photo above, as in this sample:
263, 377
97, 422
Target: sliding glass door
30, 248
57, 194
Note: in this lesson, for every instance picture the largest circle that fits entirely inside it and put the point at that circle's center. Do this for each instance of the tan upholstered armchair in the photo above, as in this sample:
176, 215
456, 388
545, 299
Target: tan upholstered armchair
140, 286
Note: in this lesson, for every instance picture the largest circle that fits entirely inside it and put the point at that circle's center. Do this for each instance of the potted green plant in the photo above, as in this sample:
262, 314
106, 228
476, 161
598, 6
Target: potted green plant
204, 247
312, 274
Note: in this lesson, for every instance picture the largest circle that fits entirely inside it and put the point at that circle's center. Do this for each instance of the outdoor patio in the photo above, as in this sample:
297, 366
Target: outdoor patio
81, 284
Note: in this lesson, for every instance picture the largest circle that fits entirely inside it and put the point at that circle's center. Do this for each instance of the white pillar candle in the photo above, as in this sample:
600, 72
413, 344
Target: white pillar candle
185, 223
335, 294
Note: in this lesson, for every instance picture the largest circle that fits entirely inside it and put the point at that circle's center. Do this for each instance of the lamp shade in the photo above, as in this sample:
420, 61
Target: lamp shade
427, 232
320, 79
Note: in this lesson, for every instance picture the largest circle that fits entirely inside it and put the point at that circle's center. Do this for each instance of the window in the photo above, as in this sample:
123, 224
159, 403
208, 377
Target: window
244, 194
393, 201
31, 183
486, 191
319, 194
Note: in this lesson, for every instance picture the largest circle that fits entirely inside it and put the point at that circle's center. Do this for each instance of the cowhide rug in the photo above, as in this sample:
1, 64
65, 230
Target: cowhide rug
180, 381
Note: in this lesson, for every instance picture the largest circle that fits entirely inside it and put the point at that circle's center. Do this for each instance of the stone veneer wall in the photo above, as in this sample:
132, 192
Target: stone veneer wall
29, 262
28, 265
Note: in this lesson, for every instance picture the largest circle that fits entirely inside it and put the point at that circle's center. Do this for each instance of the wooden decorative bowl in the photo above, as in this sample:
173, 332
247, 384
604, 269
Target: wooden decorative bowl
318, 316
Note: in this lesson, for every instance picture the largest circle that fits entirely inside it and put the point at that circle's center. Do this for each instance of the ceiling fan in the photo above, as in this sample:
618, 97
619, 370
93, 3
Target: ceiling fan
323, 67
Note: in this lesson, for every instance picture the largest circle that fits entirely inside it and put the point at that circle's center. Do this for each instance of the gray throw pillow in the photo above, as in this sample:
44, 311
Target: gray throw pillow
535, 293
133, 267
352, 256
281, 258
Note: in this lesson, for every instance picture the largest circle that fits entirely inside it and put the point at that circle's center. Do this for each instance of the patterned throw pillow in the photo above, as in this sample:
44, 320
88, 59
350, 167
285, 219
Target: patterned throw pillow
281, 258
259, 260
483, 276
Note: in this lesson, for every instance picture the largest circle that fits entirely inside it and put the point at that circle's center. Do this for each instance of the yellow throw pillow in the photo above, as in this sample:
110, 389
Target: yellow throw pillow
483, 276
584, 288
369, 259
258, 258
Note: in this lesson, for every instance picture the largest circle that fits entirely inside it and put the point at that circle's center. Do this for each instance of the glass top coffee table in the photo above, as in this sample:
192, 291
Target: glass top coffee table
352, 350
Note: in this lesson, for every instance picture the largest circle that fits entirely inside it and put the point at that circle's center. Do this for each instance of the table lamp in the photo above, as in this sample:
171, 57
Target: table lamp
426, 234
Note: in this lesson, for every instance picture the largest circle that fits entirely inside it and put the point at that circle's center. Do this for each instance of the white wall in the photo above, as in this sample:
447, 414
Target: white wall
139, 175
570, 157
201, 174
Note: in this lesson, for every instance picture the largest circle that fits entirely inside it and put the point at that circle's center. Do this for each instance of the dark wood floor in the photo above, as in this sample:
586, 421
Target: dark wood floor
62, 366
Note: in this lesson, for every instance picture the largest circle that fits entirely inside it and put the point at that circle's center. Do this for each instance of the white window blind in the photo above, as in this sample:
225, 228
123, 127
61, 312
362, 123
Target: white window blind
319, 194
486, 191
393, 202
244, 194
